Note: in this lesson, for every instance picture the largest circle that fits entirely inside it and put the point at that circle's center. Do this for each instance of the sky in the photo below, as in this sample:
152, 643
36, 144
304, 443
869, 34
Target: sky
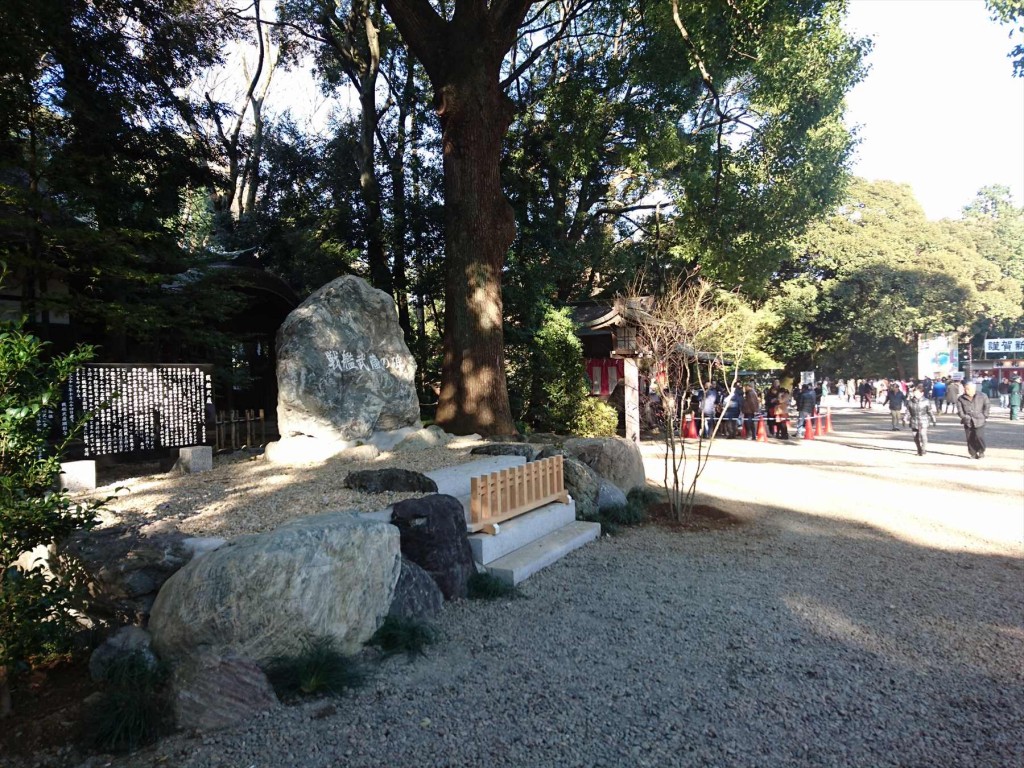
940, 108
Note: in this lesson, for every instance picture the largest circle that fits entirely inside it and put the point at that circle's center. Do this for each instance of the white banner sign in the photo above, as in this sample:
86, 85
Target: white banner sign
1004, 346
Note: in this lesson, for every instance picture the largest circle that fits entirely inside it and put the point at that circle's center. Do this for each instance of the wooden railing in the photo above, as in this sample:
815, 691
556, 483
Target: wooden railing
235, 429
505, 494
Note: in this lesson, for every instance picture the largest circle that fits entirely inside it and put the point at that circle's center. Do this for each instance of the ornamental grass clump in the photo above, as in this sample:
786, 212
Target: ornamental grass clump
318, 669
131, 710
484, 586
398, 635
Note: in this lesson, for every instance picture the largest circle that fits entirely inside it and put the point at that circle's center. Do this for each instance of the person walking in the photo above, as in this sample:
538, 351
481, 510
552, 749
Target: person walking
939, 394
805, 404
895, 400
708, 405
733, 412
771, 399
1014, 397
751, 405
973, 407
1003, 389
921, 411
782, 414
953, 392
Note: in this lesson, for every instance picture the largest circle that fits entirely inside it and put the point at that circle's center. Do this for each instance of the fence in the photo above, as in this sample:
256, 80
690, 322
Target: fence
503, 495
235, 429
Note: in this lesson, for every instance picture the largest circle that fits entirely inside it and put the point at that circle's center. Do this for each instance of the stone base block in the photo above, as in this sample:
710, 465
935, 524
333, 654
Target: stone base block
78, 475
196, 458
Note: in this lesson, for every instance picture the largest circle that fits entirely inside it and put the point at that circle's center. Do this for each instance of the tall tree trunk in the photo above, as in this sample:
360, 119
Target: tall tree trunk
479, 229
462, 54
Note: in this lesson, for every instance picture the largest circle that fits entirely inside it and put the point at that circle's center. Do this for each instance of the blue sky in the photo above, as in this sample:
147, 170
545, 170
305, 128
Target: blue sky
940, 108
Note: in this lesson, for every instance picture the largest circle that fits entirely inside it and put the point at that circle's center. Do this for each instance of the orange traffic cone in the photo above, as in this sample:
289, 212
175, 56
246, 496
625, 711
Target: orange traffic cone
762, 433
808, 429
743, 428
817, 425
691, 427
828, 421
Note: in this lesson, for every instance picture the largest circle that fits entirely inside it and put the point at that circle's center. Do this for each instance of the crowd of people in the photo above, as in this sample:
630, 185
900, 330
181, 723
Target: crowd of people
728, 412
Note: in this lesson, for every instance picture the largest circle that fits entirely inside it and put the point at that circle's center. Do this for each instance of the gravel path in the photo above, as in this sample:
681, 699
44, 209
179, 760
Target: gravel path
869, 611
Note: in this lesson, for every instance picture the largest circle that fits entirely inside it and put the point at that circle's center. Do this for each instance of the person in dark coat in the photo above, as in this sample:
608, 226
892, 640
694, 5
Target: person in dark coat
1014, 397
806, 404
921, 411
973, 407
895, 400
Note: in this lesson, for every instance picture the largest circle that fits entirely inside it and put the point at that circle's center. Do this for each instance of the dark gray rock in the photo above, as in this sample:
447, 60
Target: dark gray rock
123, 569
124, 642
390, 479
433, 535
416, 594
609, 496
507, 449
210, 691
344, 371
582, 483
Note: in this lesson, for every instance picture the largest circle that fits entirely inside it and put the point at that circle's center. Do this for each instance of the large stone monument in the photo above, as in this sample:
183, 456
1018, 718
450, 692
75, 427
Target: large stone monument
344, 373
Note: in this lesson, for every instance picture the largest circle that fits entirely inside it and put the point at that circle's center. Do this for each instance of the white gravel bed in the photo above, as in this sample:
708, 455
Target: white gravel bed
765, 644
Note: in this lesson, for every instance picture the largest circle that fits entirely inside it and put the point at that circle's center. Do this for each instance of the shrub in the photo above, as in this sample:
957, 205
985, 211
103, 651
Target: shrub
633, 512
595, 419
34, 605
318, 669
483, 586
131, 710
397, 635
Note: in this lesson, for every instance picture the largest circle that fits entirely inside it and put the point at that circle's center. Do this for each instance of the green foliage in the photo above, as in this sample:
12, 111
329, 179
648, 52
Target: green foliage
1011, 12
131, 710
595, 419
483, 586
876, 272
318, 669
633, 512
34, 607
398, 635
561, 400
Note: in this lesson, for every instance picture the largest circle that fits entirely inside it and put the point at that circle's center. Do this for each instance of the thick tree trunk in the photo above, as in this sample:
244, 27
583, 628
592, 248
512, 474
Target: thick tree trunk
479, 229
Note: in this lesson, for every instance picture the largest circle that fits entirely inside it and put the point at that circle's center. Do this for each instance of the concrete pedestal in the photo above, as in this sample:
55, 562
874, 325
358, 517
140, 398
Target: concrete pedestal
78, 475
196, 458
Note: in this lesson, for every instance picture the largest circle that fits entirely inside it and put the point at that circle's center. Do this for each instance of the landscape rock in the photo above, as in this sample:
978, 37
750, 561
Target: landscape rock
210, 691
430, 437
610, 496
259, 596
124, 568
434, 536
390, 479
344, 371
582, 483
613, 458
507, 449
416, 595
124, 642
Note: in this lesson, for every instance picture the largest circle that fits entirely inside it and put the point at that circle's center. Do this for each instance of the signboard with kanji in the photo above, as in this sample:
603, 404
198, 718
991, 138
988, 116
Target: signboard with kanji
1011, 347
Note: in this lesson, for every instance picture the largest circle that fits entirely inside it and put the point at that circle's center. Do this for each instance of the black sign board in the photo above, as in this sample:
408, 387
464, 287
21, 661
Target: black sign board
139, 407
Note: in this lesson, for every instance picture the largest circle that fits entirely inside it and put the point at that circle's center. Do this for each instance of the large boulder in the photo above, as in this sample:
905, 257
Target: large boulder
260, 596
344, 371
613, 458
434, 536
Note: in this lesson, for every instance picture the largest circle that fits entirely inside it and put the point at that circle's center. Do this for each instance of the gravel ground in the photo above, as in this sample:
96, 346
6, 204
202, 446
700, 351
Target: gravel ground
247, 494
867, 611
